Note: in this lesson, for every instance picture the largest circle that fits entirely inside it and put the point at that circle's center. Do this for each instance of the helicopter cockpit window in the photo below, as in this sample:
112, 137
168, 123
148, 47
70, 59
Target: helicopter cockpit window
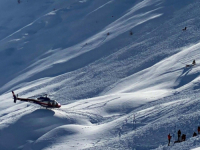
43, 98
54, 102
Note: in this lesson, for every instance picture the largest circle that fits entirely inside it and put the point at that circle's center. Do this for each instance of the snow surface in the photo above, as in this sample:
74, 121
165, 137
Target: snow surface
117, 90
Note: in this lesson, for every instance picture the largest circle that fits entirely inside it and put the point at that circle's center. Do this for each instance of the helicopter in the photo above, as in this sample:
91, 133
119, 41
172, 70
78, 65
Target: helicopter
42, 101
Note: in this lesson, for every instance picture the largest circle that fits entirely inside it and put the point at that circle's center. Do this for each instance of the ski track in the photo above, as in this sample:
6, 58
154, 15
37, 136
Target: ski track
117, 90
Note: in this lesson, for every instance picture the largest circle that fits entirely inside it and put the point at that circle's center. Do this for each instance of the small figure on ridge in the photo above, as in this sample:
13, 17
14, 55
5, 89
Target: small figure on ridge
184, 29
169, 138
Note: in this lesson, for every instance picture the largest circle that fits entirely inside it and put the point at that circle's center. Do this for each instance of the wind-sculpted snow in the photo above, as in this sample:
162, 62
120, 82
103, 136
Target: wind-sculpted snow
91, 55
117, 67
81, 54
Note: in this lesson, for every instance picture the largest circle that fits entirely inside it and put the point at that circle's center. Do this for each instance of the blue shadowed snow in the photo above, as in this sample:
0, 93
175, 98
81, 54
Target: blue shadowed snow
116, 66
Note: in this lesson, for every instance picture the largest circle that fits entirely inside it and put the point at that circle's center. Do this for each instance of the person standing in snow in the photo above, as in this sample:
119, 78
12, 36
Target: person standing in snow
169, 138
198, 129
179, 135
194, 134
194, 62
183, 137
184, 29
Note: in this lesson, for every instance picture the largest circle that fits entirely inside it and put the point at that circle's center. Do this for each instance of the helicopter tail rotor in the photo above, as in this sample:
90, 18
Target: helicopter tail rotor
14, 97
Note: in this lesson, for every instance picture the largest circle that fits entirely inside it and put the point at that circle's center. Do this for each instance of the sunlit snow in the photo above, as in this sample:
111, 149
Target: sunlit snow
117, 67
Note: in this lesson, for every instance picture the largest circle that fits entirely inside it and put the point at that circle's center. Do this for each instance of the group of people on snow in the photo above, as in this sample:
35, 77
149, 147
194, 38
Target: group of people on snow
184, 29
181, 138
193, 63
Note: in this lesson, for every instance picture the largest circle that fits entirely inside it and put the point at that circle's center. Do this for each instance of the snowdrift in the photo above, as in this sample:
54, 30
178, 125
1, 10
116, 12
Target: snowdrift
117, 67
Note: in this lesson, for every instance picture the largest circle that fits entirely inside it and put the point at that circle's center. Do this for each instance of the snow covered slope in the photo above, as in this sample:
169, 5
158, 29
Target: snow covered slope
117, 67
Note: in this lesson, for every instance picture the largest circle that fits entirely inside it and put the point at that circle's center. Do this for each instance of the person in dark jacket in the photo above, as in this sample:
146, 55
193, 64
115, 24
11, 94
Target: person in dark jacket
198, 129
169, 138
179, 135
194, 134
194, 62
184, 29
183, 137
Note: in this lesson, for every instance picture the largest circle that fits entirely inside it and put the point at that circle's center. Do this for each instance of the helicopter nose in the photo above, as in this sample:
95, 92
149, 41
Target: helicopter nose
59, 105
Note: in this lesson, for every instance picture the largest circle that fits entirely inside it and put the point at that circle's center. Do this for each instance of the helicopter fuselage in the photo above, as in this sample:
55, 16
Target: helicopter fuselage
43, 101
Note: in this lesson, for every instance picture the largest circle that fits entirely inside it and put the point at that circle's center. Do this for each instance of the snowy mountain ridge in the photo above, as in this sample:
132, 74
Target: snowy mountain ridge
117, 67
